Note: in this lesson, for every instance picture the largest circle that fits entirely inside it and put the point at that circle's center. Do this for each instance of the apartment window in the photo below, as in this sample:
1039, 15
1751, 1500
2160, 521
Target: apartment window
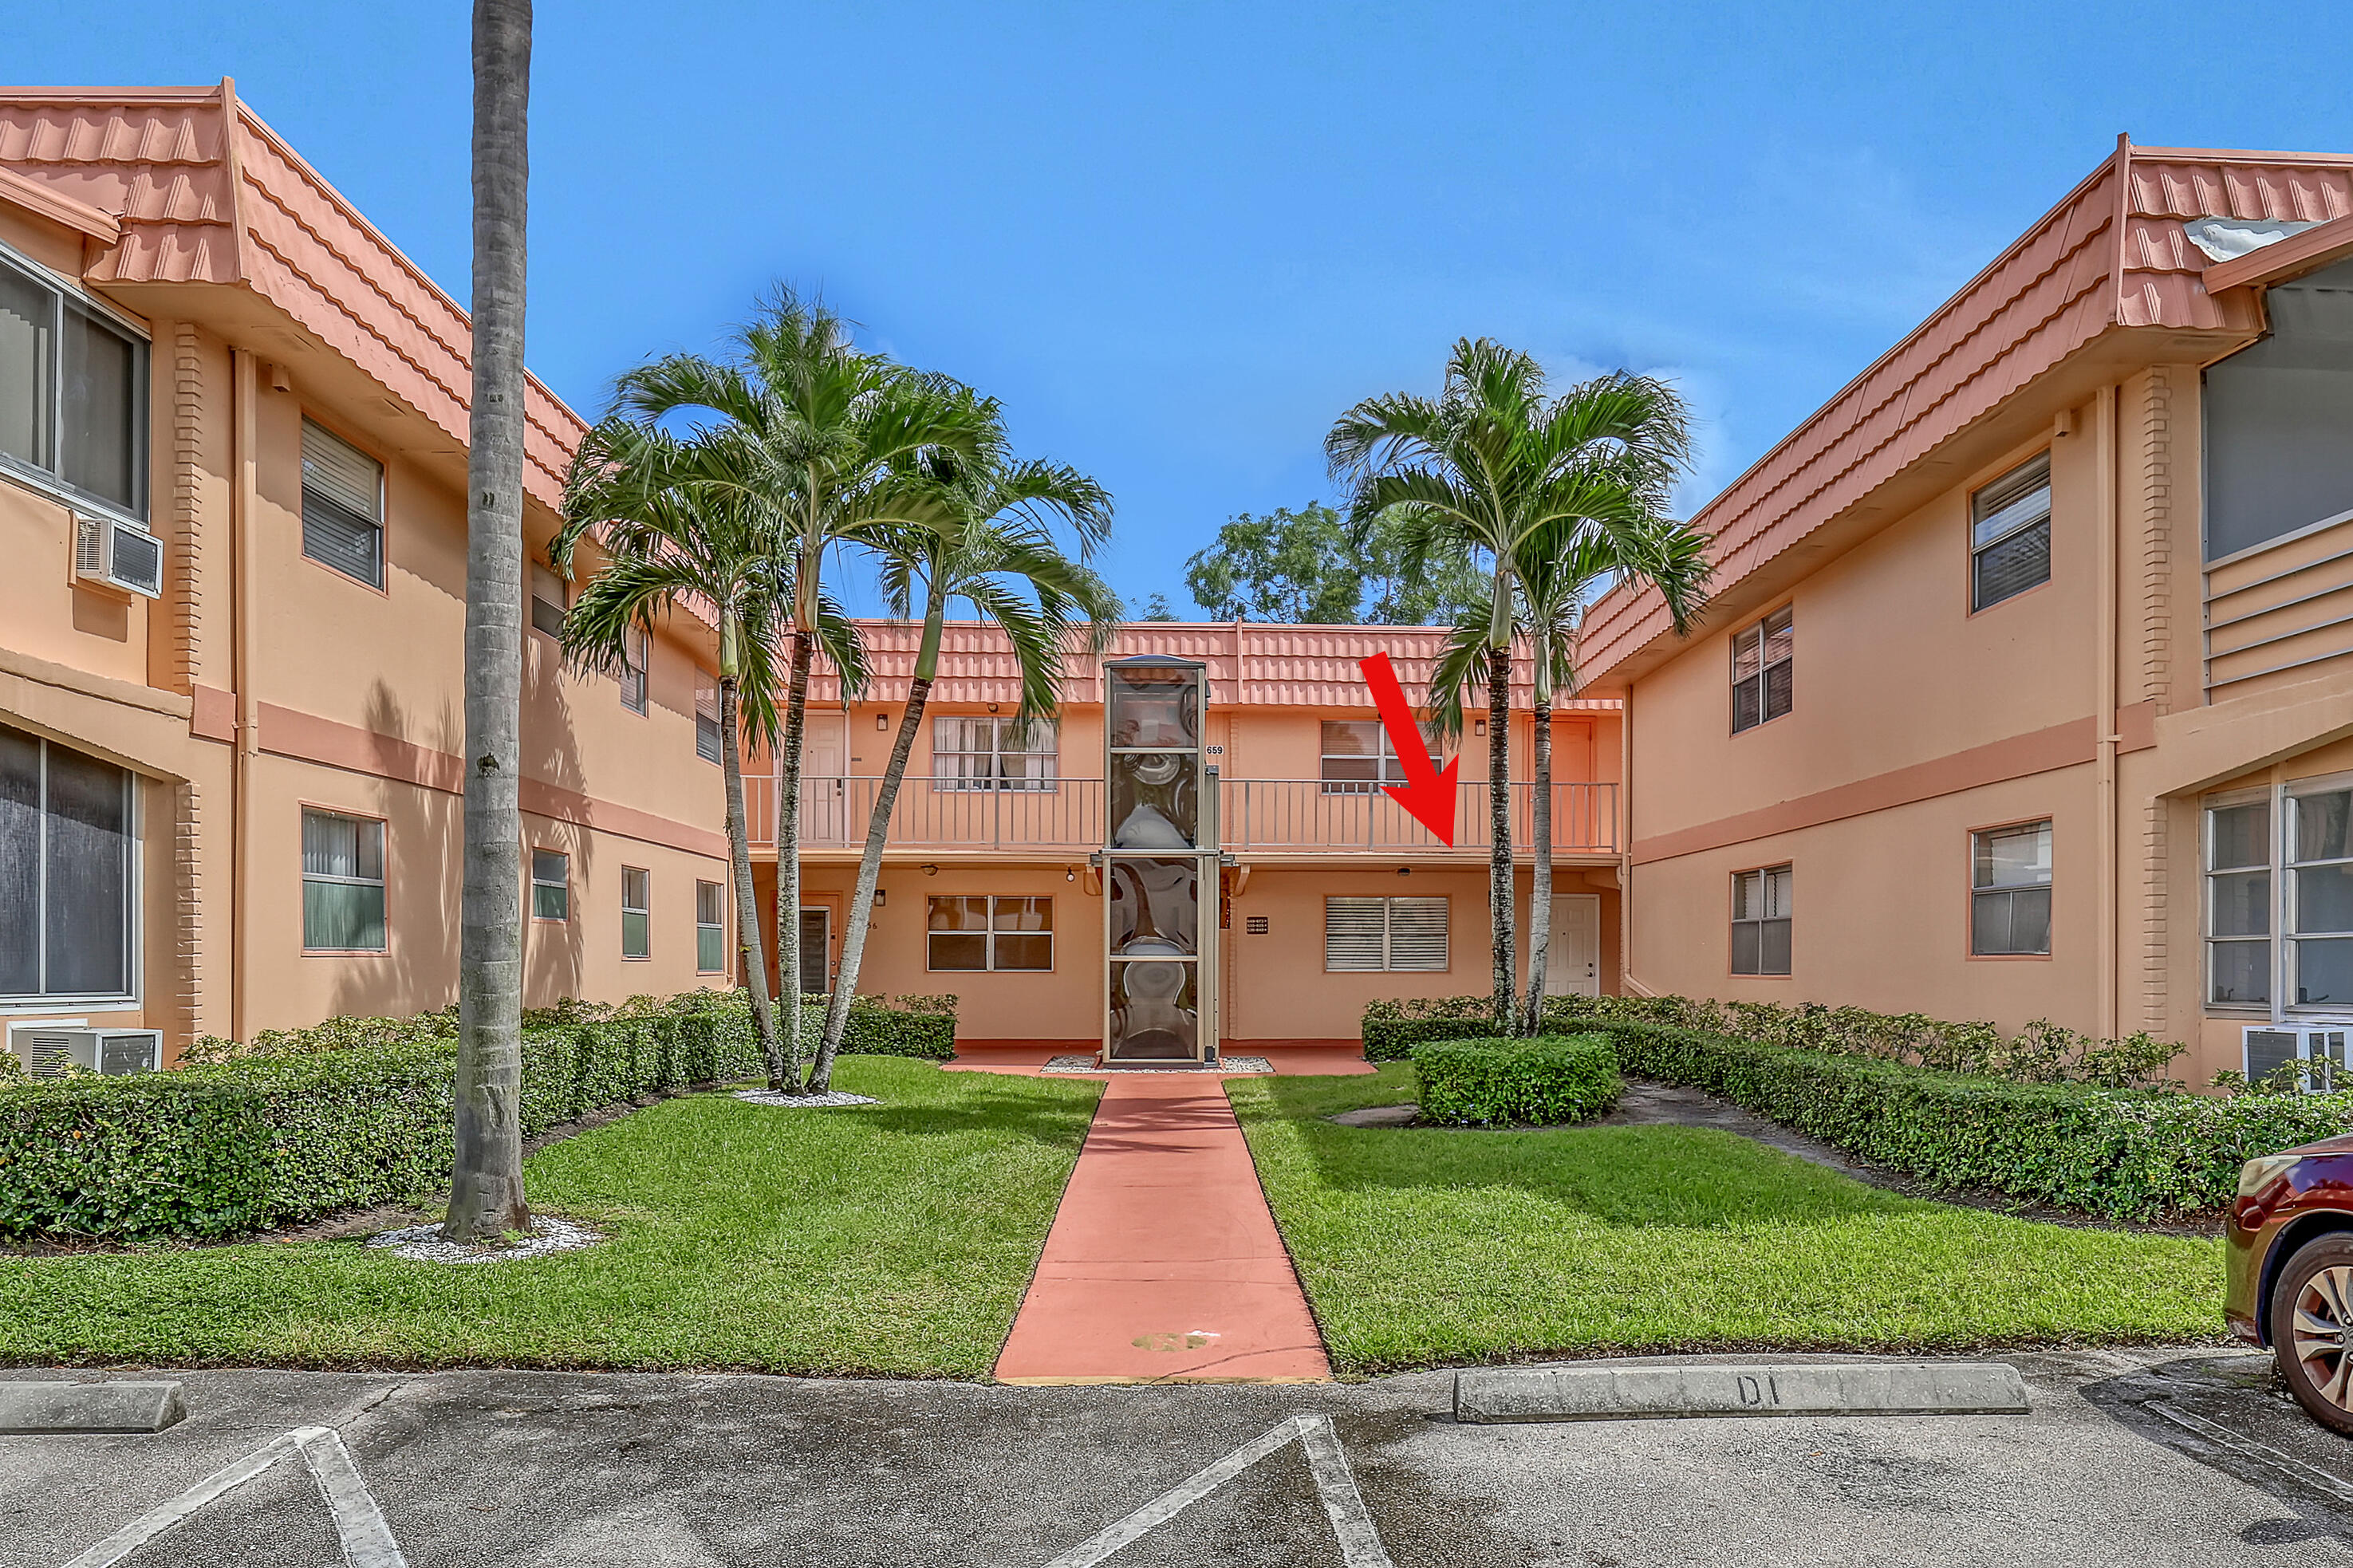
547, 601
2010, 534
1760, 921
551, 884
1397, 935
1763, 681
73, 391
2239, 903
975, 933
343, 882
706, 716
343, 506
2010, 891
635, 661
637, 913
985, 752
2320, 898
1358, 757
68, 885
710, 928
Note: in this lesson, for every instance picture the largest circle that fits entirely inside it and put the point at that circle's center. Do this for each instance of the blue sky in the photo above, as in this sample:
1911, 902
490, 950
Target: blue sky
1177, 240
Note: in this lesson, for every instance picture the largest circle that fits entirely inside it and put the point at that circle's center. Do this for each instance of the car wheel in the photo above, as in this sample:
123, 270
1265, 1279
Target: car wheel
2311, 1328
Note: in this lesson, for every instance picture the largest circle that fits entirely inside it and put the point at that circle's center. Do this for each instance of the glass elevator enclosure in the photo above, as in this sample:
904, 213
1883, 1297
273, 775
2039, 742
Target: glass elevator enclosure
1160, 863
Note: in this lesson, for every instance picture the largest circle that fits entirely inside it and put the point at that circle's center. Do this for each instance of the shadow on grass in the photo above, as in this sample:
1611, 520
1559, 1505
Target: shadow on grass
1681, 1177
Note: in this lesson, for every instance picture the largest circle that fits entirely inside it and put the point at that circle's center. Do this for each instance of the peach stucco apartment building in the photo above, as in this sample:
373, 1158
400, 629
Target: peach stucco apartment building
232, 518
2028, 689
1333, 895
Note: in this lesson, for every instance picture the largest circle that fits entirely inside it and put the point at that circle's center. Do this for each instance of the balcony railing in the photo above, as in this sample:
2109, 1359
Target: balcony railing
1262, 815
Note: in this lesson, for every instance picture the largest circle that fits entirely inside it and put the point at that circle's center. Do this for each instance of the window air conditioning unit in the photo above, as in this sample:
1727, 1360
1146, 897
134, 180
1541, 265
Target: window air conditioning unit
119, 555
45, 1050
2270, 1049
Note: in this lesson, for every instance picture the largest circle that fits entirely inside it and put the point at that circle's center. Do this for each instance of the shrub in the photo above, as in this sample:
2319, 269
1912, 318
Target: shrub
1539, 1082
896, 1026
2122, 1152
1392, 1028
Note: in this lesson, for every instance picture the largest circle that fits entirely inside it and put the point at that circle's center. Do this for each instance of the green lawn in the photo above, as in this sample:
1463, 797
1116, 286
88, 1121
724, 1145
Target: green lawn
1422, 1247
892, 1239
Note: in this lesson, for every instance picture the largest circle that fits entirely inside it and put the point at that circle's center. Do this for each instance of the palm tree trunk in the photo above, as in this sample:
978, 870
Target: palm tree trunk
751, 952
1499, 828
1540, 889
788, 861
486, 1194
878, 833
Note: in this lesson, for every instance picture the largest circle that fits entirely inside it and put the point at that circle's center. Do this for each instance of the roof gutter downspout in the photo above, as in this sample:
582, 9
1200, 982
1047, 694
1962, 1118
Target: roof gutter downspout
1625, 813
2105, 455
243, 392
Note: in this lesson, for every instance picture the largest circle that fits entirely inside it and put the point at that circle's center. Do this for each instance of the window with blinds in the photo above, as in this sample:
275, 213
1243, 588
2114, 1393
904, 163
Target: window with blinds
343, 506
710, 928
1385, 935
69, 889
2009, 891
2010, 534
343, 882
978, 752
1760, 921
706, 716
634, 661
1358, 757
1764, 664
547, 601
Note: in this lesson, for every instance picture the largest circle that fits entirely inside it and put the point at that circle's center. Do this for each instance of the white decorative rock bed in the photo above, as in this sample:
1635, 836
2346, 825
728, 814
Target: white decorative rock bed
803, 1101
422, 1243
1223, 1065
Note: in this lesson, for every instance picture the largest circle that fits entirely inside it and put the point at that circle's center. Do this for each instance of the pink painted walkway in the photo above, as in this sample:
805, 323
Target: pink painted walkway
1163, 1264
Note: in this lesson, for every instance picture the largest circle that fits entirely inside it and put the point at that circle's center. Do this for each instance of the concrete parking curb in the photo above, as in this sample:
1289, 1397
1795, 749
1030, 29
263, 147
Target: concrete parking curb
1604, 1393
33, 1408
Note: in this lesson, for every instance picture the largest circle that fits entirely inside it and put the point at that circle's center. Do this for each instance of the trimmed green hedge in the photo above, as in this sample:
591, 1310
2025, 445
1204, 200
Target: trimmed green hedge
1392, 1029
2122, 1152
900, 1026
265, 1141
1530, 1083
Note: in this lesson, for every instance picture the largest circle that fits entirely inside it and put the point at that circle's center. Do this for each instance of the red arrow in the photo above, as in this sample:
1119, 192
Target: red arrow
1428, 793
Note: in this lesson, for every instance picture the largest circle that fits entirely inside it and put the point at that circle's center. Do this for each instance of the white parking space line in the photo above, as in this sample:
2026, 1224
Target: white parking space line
366, 1538
1335, 1484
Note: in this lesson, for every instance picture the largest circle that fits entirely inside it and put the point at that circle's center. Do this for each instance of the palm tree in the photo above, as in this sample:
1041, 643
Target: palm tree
832, 441
1484, 468
486, 1194
674, 544
995, 548
1565, 569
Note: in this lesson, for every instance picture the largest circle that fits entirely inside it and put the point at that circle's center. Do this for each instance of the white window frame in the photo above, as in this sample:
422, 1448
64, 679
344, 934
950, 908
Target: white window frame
2008, 491
1758, 635
562, 885
2292, 936
1981, 891
2284, 937
134, 902
49, 478
989, 935
1388, 768
2208, 874
706, 716
717, 928
1340, 964
636, 669
301, 523
1787, 916
961, 769
381, 883
541, 575
643, 910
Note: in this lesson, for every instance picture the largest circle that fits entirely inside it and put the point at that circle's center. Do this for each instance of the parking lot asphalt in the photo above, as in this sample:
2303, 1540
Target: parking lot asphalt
2179, 1457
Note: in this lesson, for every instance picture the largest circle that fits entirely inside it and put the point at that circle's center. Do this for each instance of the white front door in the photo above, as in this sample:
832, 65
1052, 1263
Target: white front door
1573, 962
825, 810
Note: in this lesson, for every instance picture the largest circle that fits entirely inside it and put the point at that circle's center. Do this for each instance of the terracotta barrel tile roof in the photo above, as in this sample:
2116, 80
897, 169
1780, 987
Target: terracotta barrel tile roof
2113, 254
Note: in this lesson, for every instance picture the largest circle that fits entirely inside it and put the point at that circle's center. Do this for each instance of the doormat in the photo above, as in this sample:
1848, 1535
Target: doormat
1223, 1065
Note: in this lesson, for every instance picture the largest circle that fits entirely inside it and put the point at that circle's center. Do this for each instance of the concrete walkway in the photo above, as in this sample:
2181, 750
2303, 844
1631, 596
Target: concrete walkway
1163, 1264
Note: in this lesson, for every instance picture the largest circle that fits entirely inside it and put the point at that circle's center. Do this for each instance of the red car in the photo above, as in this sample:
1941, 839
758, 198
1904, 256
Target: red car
2291, 1271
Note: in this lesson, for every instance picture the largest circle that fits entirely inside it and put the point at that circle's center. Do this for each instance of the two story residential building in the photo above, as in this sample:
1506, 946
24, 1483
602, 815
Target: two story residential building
232, 517
1333, 894
2027, 692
